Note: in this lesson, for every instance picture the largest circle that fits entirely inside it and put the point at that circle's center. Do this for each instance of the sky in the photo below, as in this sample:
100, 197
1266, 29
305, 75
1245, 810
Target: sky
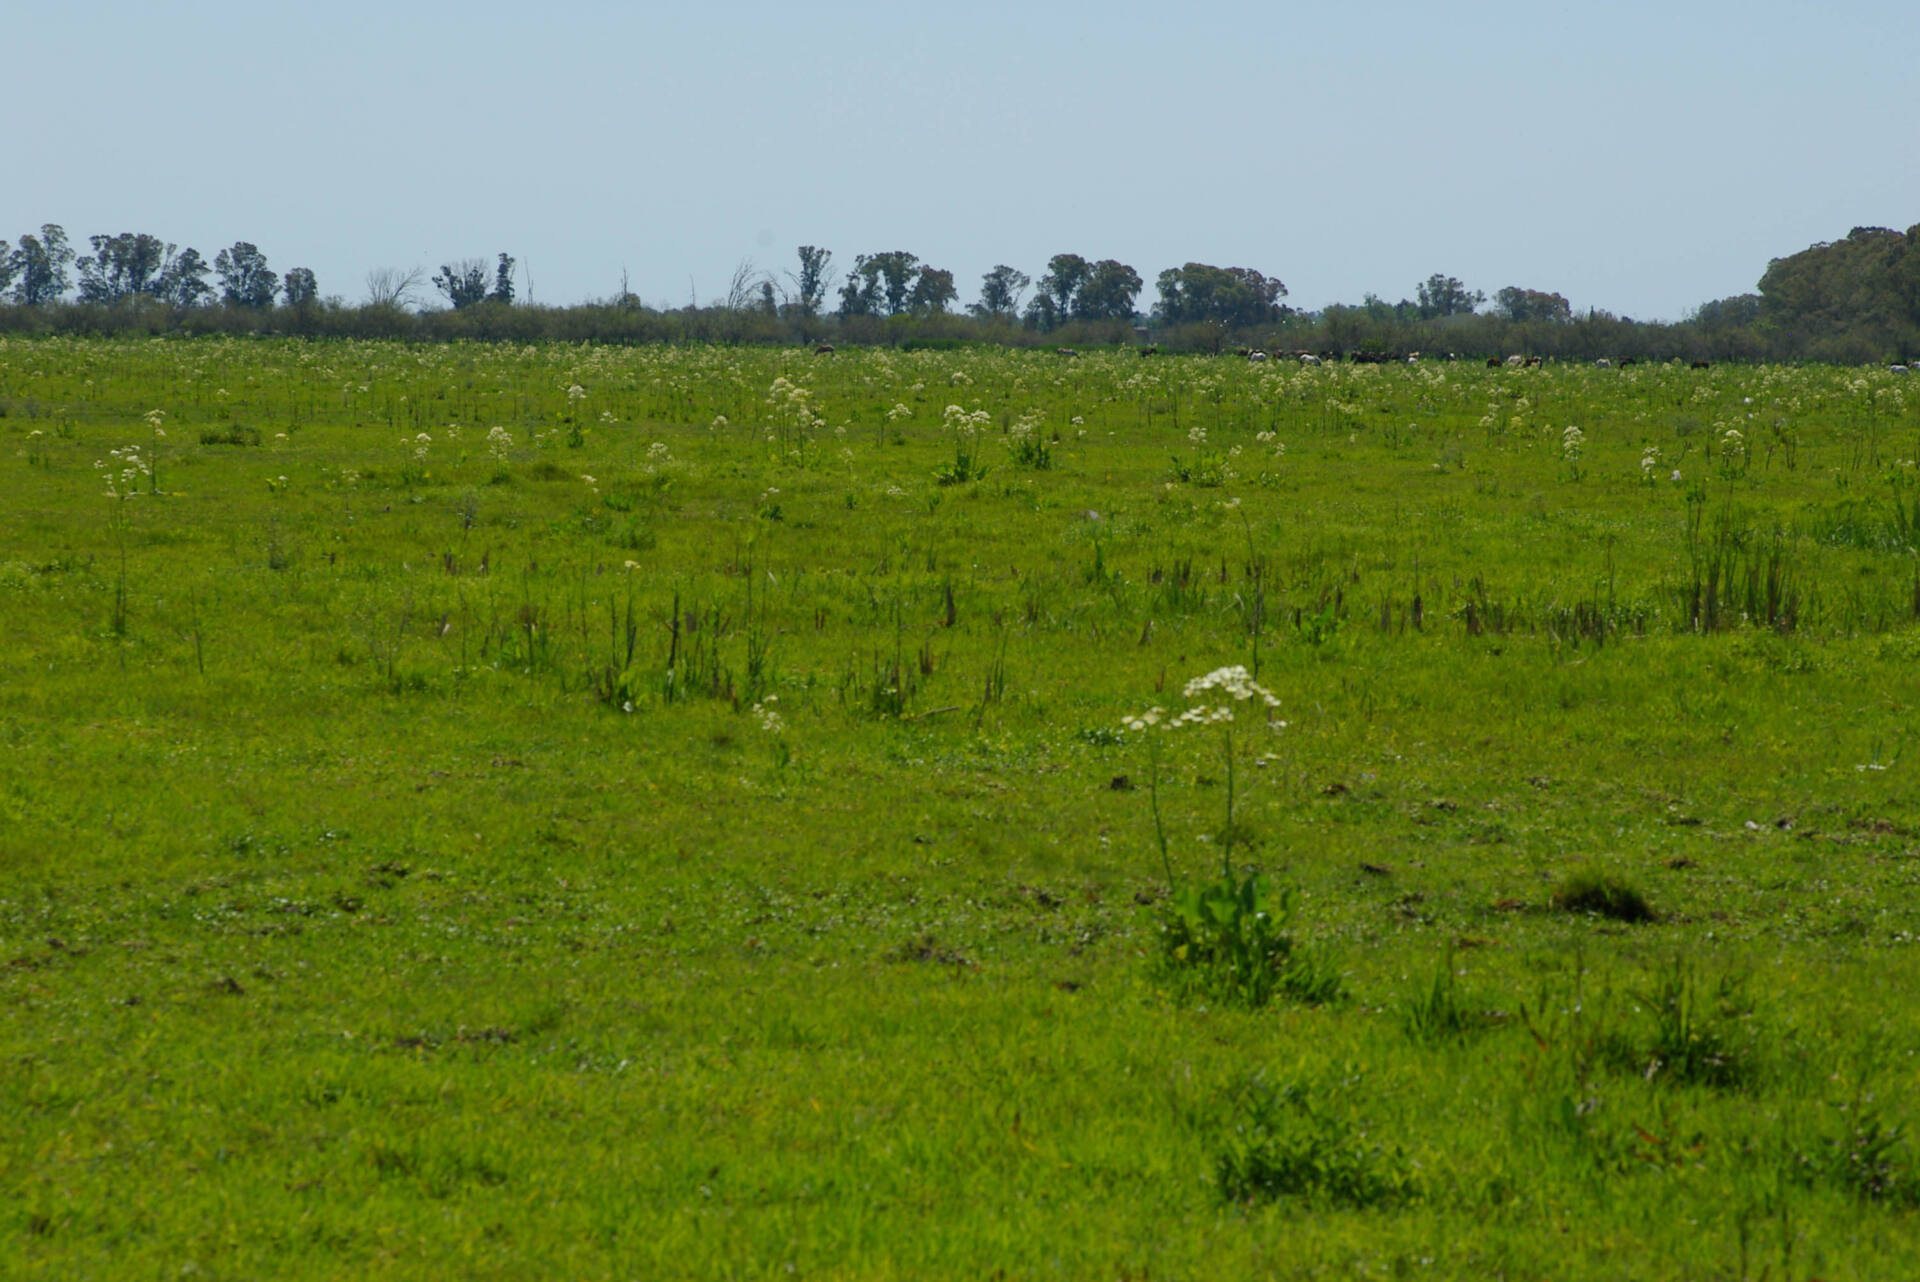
1636, 157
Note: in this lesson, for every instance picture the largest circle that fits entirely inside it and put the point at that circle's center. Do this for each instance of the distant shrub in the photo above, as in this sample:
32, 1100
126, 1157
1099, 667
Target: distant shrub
1602, 894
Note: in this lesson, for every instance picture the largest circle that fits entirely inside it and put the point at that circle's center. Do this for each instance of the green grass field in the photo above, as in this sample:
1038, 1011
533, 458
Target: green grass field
582, 812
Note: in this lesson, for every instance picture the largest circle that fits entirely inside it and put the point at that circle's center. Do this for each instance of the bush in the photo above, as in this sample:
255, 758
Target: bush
1602, 894
1283, 1144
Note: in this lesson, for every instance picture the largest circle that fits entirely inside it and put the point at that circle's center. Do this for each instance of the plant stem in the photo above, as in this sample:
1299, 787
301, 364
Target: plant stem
1226, 837
1153, 795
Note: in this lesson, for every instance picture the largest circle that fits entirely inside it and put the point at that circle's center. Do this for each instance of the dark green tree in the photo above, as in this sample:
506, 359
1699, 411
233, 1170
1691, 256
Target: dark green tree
502, 292
122, 266
810, 282
933, 291
1000, 291
40, 266
1442, 295
464, 282
861, 294
300, 288
1065, 274
1522, 305
1234, 297
1108, 292
245, 280
182, 280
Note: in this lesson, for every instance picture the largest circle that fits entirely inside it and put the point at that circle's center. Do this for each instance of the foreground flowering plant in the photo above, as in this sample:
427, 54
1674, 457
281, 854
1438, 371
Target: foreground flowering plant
1226, 937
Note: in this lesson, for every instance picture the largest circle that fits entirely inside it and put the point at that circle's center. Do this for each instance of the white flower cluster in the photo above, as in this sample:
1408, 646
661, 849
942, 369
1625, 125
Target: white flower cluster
499, 441
1571, 442
961, 423
124, 473
1234, 683
769, 715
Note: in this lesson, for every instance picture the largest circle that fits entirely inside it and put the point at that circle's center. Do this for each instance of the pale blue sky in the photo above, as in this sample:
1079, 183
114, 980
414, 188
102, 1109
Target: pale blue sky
1639, 157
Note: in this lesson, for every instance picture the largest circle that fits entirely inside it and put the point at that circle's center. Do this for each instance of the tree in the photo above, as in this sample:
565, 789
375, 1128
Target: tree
1000, 291
860, 295
393, 286
1522, 305
1235, 297
245, 280
897, 269
300, 289
933, 291
1061, 283
463, 282
810, 282
1108, 292
1442, 295
182, 279
1042, 314
122, 266
502, 281
40, 266
9, 267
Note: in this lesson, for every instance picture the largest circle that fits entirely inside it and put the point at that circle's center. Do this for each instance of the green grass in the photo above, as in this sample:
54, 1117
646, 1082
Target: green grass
419, 859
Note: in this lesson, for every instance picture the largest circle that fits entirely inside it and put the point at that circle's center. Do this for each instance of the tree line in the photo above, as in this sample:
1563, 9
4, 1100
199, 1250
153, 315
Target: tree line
1854, 300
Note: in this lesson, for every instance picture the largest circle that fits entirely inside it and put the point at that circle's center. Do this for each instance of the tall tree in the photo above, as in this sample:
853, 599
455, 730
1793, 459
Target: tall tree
122, 266
1065, 274
182, 280
810, 282
933, 291
861, 294
245, 279
300, 289
1108, 292
1000, 292
463, 282
502, 281
1521, 305
1443, 295
1234, 297
40, 266
897, 269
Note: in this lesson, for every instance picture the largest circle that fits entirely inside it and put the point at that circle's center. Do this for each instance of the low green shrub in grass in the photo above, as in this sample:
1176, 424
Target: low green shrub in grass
1601, 894
1288, 1142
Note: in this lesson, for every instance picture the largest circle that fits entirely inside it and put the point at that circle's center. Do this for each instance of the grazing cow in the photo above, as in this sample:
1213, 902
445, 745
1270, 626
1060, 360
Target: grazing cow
1256, 355
1149, 351
825, 349
1493, 362
1603, 363
1897, 369
1533, 362
1064, 351
1629, 360
1700, 365
1308, 358
1516, 362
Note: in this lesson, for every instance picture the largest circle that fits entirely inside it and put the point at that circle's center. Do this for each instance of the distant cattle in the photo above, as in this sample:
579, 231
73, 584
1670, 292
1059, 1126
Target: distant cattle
1896, 369
1308, 358
1493, 362
1256, 355
1629, 360
824, 349
1700, 365
1149, 351
1533, 362
1603, 363
1516, 362
1064, 351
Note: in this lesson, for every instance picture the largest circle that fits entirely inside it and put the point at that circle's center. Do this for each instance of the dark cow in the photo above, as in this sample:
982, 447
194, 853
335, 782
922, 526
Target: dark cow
1064, 351
1149, 351
1494, 362
1700, 365
824, 349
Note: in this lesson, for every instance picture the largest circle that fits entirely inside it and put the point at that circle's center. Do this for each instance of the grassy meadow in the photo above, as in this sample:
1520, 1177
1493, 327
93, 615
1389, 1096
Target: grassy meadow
553, 811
